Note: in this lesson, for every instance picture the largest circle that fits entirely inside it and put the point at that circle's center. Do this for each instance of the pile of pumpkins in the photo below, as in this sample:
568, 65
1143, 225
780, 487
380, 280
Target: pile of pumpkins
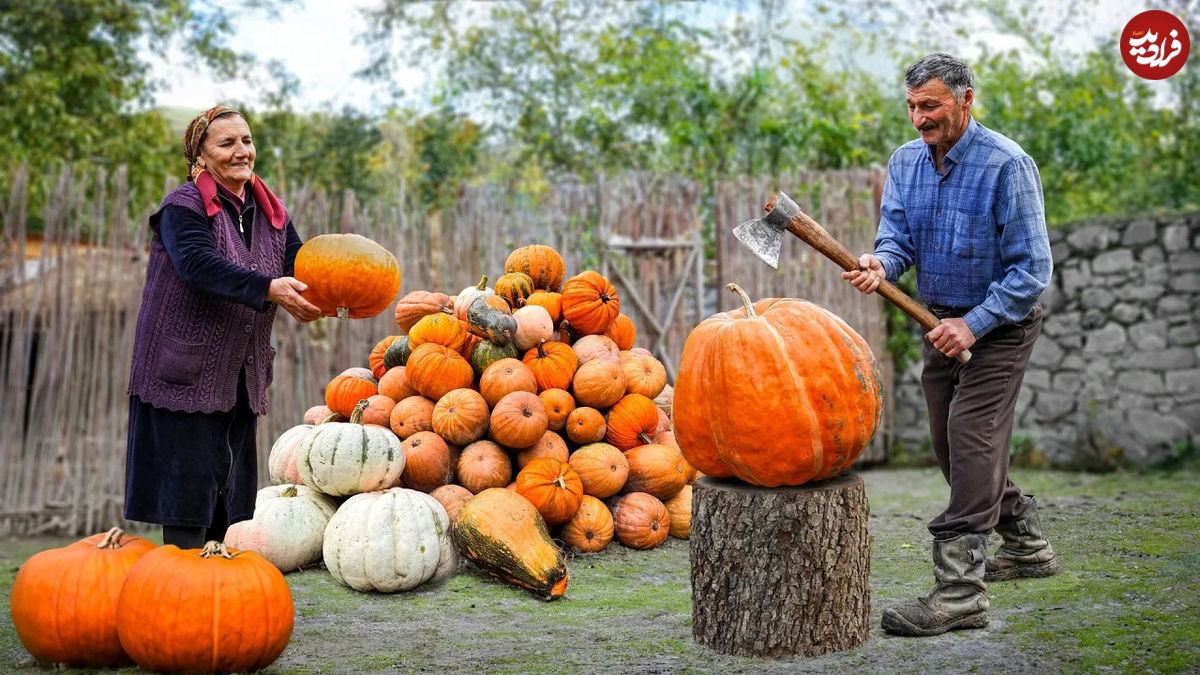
525, 402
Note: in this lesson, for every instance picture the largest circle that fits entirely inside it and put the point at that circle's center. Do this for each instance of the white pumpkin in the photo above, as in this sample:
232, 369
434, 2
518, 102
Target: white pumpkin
464, 299
346, 458
533, 325
288, 526
388, 541
281, 463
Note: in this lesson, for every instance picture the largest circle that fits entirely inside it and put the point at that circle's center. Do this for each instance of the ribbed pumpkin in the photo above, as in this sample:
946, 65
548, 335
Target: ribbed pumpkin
378, 410
590, 303
435, 369
411, 415
622, 331
466, 296
348, 275
591, 347
281, 462
344, 391
542, 263
461, 416
553, 365
824, 404
345, 458
632, 421
602, 468
501, 532
504, 377
553, 488
514, 287
451, 497
375, 358
559, 404
549, 445
533, 325
549, 301
64, 600
641, 521
288, 526
394, 384
417, 304
591, 528
657, 469
518, 420
483, 465
441, 329
204, 610
644, 374
679, 508
598, 384
429, 462
408, 533
486, 352
586, 425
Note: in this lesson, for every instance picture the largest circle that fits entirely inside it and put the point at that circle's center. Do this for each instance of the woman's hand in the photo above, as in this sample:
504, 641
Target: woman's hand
868, 276
285, 292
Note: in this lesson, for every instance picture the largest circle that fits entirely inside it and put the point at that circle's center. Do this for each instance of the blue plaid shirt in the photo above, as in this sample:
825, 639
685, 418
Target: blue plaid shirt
977, 234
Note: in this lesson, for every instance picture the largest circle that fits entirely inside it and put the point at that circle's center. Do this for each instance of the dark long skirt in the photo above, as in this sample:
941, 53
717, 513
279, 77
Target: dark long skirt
191, 469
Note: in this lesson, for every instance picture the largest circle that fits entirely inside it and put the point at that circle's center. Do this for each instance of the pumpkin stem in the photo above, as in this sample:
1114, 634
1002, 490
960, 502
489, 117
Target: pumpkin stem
215, 548
112, 538
745, 298
333, 417
343, 312
645, 439
357, 415
482, 284
562, 484
541, 348
291, 491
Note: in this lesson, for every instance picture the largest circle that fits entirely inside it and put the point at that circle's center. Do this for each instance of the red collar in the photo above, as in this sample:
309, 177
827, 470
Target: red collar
266, 200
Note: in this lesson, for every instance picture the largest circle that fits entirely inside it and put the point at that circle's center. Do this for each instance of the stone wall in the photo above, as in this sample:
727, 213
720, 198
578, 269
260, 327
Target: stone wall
1115, 376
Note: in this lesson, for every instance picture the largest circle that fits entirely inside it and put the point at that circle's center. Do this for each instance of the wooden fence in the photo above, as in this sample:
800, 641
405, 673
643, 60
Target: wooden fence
69, 300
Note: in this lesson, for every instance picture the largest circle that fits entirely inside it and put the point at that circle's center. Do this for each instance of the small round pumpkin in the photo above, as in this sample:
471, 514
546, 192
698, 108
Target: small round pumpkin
622, 331
514, 287
549, 445
632, 421
544, 265
533, 325
378, 410
591, 528
451, 497
441, 329
598, 384
318, 414
591, 347
559, 404
483, 465
461, 416
397, 353
417, 304
644, 374
344, 391
553, 365
348, 275
411, 415
504, 377
518, 420
602, 468
679, 508
590, 303
549, 301
586, 425
375, 358
428, 462
657, 469
394, 384
435, 369
553, 488
641, 521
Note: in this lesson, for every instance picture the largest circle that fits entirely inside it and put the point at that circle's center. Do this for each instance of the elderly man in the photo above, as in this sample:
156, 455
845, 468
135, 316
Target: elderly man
963, 204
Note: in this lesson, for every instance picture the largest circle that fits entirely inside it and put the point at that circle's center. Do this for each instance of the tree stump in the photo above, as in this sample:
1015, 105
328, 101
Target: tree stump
782, 571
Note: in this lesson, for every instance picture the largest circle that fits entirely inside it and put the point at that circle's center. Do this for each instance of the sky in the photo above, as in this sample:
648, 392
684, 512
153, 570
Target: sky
317, 41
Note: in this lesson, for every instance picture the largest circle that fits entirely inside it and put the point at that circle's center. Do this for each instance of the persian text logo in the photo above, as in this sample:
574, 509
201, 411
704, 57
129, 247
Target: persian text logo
1155, 44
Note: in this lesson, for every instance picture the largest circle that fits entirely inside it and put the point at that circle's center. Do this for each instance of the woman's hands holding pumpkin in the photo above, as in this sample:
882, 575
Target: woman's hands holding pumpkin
285, 292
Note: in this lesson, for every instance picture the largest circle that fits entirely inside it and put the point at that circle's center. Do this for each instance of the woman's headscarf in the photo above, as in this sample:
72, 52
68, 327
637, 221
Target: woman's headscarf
193, 138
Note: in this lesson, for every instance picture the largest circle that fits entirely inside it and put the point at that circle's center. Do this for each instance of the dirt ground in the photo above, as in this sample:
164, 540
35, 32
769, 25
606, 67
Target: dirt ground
1127, 600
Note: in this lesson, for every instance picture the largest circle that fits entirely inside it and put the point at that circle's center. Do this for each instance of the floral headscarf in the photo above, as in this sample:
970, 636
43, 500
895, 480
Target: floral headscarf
193, 138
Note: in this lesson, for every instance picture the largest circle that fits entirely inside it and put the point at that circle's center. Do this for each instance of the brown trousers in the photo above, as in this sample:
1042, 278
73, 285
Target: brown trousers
971, 407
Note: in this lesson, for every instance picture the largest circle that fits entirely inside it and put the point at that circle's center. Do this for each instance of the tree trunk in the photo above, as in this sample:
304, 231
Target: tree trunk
782, 571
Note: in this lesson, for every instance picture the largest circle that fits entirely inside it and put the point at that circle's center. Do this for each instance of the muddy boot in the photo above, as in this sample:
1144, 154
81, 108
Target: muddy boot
1025, 553
958, 599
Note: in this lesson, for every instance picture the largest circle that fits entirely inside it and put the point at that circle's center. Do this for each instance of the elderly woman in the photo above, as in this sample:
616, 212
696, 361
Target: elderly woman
221, 260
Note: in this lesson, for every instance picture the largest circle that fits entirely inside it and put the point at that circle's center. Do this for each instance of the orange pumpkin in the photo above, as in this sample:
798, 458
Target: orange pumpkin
549, 445
434, 369
375, 358
598, 383
441, 329
591, 528
622, 331
553, 488
825, 401
542, 263
394, 384
514, 287
586, 425
378, 410
559, 404
483, 465
503, 377
64, 600
641, 521
452, 498
679, 508
553, 365
518, 420
348, 275
346, 390
632, 421
417, 304
591, 347
428, 462
590, 303
549, 301
644, 374
461, 416
602, 468
411, 415
657, 469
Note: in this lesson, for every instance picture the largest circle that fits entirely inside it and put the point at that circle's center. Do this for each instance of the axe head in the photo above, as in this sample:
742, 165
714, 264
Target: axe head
764, 236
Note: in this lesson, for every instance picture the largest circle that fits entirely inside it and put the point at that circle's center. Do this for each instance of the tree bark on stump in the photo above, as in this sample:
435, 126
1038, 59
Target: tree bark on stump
781, 571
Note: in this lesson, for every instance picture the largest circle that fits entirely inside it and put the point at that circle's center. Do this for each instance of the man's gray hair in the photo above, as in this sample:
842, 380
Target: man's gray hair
953, 71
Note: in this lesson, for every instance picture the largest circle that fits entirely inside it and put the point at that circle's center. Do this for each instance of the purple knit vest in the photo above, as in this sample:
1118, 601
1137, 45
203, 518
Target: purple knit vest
189, 346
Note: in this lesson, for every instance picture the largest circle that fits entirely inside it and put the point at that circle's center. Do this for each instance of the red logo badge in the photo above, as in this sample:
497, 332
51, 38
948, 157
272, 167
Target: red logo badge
1155, 44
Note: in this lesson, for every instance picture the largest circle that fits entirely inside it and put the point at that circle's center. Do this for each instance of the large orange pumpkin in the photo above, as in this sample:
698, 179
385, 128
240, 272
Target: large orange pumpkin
591, 528
553, 365
632, 421
461, 416
641, 521
553, 488
64, 600
779, 392
590, 303
602, 469
518, 420
542, 263
598, 384
657, 469
348, 275
434, 369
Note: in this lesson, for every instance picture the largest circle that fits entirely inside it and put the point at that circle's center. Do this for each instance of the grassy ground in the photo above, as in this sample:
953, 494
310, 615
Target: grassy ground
1128, 599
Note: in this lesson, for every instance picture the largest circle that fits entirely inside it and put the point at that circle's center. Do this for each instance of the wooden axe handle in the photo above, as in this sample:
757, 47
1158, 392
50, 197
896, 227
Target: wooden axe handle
816, 236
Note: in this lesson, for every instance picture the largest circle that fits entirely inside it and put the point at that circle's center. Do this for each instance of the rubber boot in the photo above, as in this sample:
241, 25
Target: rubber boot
958, 599
1025, 553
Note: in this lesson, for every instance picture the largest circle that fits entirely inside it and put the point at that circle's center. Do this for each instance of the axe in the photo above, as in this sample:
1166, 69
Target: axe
764, 236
